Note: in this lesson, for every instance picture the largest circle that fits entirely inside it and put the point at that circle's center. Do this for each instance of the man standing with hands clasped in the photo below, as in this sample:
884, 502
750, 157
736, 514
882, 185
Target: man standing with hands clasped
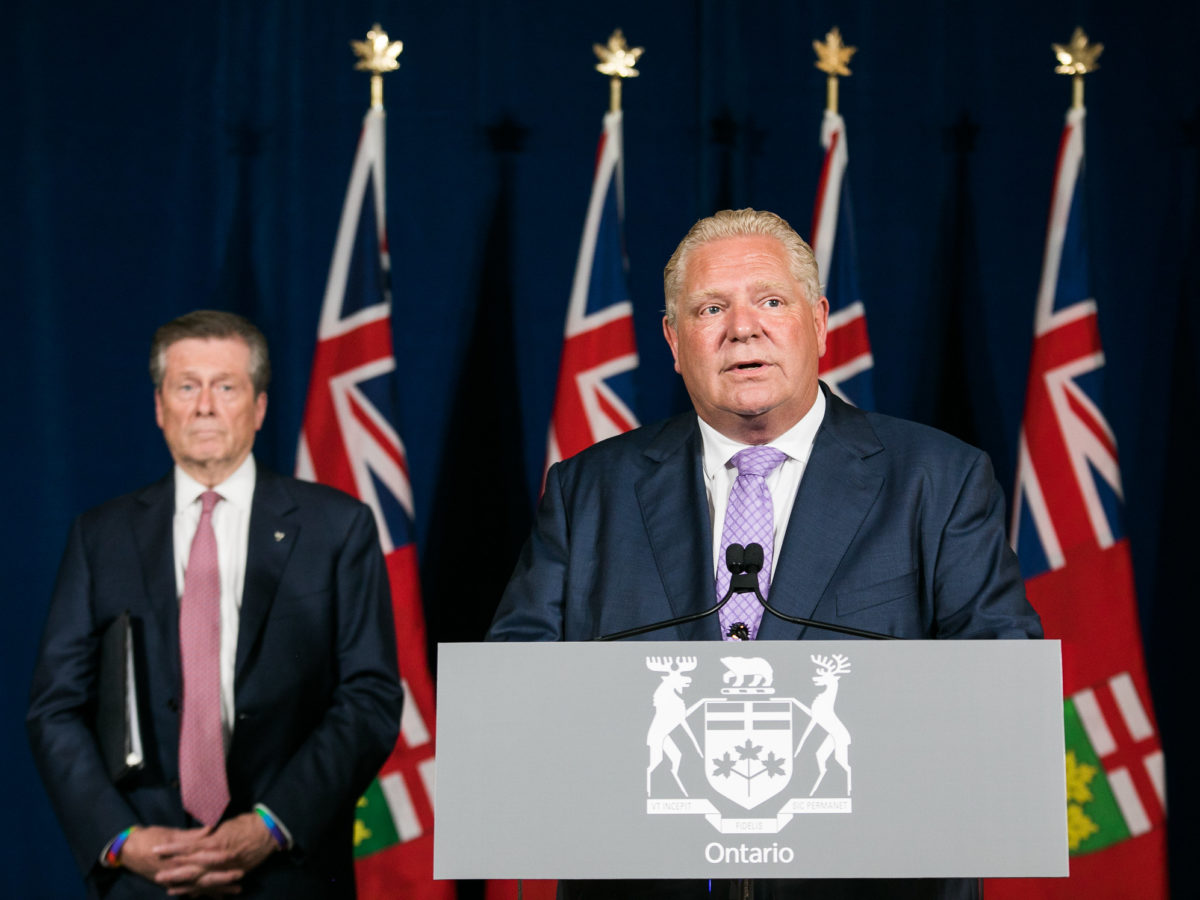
263, 648
865, 520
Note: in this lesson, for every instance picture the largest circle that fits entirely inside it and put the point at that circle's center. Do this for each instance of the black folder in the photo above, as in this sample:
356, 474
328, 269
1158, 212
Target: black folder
117, 729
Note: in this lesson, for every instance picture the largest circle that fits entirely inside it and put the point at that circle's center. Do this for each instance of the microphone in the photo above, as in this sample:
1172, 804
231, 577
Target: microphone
743, 568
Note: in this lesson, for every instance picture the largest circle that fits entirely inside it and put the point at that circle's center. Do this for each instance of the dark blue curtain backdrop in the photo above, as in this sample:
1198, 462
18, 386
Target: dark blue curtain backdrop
165, 156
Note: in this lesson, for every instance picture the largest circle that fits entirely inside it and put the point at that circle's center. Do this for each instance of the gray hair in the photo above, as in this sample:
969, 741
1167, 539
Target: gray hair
739, 223
207, 324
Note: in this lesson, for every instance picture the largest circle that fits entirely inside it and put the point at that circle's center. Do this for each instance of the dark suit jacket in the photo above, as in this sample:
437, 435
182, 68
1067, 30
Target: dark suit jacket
896, 528
317, 694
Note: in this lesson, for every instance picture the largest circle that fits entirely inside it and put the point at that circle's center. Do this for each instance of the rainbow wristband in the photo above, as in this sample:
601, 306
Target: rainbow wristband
276, 833
112, 858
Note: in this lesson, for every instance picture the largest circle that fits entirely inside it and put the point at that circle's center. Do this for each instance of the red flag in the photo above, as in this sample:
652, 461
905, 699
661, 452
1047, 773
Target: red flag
595, 378
594, 399
1066, 529
848, 363
349, 440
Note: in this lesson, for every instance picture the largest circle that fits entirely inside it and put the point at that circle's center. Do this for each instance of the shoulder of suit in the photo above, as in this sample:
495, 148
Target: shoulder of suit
121, 506
653, 441
306, 493
904, 436
872, 432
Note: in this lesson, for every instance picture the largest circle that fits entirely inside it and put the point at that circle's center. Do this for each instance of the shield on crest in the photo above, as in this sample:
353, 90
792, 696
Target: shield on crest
748, 748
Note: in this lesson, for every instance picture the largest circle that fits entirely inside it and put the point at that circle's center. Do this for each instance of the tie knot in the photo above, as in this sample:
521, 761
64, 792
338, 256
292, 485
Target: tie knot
758, 460
208, 500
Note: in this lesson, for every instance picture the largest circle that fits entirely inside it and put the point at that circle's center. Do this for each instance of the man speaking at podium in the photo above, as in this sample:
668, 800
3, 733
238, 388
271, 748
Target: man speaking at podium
865, 521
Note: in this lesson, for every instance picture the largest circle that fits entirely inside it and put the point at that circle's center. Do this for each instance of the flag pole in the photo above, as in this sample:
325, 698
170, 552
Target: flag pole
832, 59
617, 60
1077, 58
377, 55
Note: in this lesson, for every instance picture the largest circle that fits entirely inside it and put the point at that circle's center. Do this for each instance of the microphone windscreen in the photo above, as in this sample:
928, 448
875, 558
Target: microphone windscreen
753, 557
734, 554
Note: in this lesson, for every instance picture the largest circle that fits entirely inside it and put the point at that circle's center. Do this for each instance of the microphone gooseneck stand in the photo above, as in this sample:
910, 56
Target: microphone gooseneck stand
744, 564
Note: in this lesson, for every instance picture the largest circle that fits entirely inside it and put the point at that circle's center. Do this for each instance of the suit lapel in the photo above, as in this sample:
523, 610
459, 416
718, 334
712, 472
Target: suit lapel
674, 509
273, 533
838, 490
154, 533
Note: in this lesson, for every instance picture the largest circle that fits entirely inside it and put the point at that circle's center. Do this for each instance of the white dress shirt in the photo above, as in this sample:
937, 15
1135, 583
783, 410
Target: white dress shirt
720, 474
231, 524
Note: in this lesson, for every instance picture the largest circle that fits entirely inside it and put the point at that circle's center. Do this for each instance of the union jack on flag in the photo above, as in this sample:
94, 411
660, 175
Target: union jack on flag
594, 398
1066, 529
847, 363
349, 440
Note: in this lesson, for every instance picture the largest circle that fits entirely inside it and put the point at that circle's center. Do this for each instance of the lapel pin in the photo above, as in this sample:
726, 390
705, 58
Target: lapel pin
278, 536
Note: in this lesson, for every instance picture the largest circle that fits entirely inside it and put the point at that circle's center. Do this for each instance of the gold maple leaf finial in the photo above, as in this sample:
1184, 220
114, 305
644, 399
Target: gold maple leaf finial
1077, 57
833, 55
377, 54
617, 59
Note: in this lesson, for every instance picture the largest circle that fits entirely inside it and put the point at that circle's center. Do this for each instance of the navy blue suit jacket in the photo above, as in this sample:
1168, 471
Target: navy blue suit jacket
896, 528
317, 694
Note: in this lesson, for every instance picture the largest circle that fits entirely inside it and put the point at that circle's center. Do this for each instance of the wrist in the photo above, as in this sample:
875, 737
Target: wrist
278, 838
112, 853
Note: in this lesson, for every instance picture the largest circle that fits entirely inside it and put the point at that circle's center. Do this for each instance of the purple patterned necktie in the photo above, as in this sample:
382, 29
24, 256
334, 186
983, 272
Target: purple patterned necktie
749, 519
202, 780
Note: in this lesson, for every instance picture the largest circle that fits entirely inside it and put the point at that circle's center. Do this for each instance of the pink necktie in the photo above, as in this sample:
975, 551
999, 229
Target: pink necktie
202, 780
749, 519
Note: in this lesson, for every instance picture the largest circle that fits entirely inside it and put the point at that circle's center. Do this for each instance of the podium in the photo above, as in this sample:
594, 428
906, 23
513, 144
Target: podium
771, 759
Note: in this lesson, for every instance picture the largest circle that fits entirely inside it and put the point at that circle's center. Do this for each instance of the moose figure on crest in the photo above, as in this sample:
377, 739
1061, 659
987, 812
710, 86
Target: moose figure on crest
670, 712
837, 738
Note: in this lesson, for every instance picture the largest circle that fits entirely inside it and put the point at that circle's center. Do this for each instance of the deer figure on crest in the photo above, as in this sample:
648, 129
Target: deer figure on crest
837, 738
670, 712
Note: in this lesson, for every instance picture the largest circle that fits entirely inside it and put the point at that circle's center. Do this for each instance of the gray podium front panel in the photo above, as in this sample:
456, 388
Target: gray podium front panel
940, 758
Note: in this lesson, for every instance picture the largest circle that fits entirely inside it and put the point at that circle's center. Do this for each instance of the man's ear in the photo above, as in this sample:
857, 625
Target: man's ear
260, 410
821, 323
672, 340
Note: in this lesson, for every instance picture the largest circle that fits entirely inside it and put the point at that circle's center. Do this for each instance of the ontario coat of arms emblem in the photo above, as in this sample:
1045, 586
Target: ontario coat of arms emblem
750, 745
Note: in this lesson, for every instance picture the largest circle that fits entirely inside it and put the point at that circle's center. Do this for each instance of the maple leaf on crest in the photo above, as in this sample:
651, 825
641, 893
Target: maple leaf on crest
773, 765
748, 750
724, 766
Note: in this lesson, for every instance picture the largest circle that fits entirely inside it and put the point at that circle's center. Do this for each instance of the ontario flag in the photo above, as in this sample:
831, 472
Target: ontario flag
349, 440
847, 363
1066, 529
594, 398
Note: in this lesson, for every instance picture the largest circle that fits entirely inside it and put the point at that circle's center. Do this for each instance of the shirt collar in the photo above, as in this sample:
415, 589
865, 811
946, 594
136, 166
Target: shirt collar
796, 442
237, 489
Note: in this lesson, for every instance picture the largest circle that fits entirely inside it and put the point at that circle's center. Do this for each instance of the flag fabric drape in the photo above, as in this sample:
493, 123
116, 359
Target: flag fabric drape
594, 397
847, 364
1066, 529
349, 440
